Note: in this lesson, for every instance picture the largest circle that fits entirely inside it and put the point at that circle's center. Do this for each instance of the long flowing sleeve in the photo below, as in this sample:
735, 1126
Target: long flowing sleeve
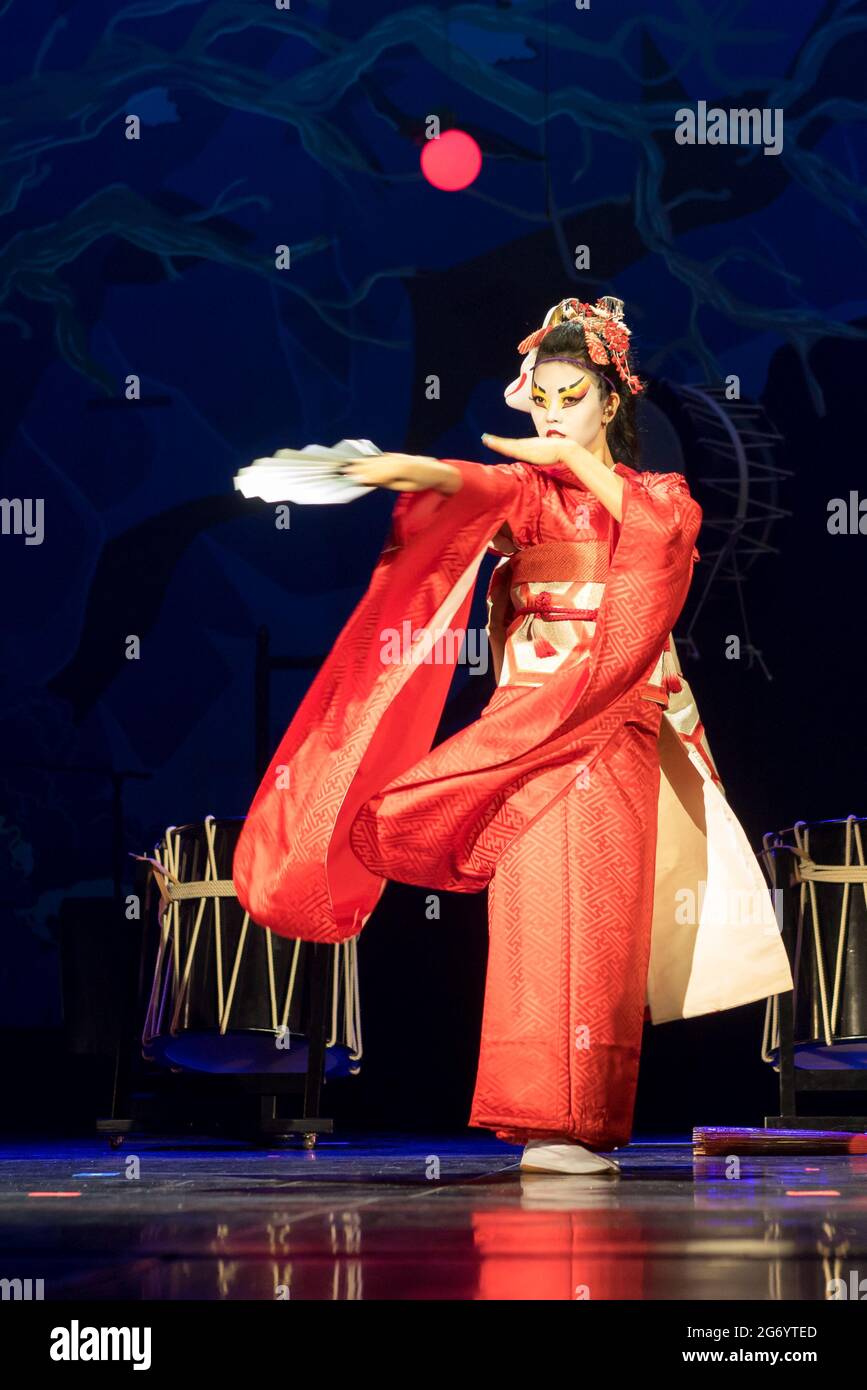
370, 714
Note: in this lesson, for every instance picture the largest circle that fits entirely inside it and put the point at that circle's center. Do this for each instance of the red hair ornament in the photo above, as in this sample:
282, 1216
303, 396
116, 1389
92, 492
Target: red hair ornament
606, 335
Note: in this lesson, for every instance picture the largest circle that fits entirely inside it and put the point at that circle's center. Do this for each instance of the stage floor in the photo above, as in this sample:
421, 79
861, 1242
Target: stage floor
423, 1217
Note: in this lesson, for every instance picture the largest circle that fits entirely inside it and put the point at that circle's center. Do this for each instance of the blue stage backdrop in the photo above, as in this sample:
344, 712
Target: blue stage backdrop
216, 240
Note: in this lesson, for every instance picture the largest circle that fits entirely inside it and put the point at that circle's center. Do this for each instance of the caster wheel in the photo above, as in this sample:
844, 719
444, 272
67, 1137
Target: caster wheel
309, 1141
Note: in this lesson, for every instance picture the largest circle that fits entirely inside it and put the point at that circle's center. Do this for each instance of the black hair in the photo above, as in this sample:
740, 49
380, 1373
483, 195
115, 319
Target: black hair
567, 340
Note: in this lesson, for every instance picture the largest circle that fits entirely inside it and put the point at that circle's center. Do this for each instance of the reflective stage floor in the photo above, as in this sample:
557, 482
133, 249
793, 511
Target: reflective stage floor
423, 1217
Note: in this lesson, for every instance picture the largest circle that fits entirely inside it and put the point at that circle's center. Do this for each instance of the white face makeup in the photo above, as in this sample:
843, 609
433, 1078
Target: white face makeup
565, 402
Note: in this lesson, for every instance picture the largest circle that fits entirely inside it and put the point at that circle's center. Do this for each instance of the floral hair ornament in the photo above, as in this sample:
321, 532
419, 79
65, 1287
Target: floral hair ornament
606, 335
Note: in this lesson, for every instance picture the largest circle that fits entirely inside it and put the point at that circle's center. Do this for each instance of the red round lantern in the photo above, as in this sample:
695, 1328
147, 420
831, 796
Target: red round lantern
452, 161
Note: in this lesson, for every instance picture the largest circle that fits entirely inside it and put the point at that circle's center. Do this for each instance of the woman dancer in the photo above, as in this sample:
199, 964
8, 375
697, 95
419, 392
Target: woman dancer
554, 797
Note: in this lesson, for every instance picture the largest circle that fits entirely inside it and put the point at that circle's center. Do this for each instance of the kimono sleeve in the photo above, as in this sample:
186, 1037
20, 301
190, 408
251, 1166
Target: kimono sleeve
413, 512
670, 512
513, 487
671, 501
368, 717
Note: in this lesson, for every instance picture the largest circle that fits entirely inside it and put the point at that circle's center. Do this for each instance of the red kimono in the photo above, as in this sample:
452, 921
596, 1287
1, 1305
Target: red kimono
549, 799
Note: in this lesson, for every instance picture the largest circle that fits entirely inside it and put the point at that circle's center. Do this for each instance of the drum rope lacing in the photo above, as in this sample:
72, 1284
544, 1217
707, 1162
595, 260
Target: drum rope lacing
172, 892
808, 873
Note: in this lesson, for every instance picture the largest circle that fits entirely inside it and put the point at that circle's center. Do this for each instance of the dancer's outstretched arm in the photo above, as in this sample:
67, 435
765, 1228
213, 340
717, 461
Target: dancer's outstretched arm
415, 472
589, 468
405, 473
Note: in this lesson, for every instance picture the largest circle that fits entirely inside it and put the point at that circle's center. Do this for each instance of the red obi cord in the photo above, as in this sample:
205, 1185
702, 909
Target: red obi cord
542, 606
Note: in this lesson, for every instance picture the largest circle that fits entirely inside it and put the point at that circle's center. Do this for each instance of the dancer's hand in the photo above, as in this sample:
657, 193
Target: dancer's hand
533, 450
540, 450
588, 465
404, 473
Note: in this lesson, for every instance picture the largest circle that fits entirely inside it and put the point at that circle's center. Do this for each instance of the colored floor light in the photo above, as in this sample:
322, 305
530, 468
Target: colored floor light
815, 1192
451, 162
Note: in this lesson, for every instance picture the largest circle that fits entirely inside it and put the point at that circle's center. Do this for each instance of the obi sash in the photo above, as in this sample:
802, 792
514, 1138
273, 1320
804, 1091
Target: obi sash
580, 561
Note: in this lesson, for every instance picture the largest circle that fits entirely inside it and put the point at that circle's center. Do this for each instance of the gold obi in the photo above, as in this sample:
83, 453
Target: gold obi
579, 570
